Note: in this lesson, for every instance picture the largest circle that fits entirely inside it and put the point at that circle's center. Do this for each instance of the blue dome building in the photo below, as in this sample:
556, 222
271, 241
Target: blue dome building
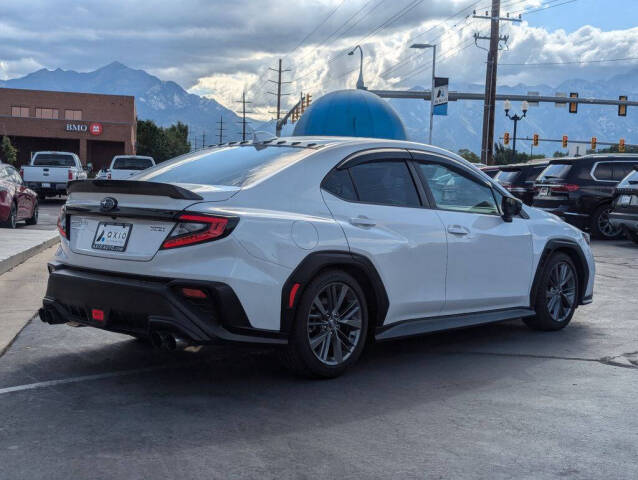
351, 113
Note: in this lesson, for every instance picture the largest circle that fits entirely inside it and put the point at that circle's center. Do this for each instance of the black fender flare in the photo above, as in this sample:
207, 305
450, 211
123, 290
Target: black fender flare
357, 265
572, 248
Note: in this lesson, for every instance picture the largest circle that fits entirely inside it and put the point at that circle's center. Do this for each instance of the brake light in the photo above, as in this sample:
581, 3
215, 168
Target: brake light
62, 223
194, 293
568, 187
70, 174
192, 229
97, 314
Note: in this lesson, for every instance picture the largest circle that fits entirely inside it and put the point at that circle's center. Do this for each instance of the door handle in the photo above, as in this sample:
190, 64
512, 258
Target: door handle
362, 221
457, 230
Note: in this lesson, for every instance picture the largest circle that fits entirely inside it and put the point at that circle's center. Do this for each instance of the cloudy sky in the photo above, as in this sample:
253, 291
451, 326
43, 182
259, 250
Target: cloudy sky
219, 48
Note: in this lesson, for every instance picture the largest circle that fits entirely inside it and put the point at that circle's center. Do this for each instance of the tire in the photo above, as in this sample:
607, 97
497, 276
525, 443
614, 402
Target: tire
556, 295
34, 218
11, 221
330, 328
600, 226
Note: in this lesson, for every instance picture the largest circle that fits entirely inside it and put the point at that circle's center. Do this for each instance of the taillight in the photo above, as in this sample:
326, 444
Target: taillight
70, 174
568, 187
62, 223
192, 229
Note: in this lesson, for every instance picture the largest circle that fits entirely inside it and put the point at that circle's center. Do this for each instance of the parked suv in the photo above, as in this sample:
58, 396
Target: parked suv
311, 244
581, 190
519, 178
625, 206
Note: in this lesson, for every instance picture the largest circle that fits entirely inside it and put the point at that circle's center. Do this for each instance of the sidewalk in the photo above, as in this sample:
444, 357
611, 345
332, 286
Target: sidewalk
18, 245
21, 292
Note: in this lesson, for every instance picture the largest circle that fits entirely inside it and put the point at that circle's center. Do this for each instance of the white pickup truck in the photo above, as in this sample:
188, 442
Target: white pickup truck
125, 166
49, 172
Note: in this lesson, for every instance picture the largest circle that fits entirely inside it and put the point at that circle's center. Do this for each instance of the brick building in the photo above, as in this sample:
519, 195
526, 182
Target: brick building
96, 127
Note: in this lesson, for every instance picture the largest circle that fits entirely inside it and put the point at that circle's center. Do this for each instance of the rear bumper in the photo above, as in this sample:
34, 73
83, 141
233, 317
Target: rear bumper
137, 305
627, 220
52, 189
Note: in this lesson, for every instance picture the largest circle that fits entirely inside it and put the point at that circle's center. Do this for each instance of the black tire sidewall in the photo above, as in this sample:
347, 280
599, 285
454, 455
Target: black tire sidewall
299, 338
594, 224
34, 217
544, 318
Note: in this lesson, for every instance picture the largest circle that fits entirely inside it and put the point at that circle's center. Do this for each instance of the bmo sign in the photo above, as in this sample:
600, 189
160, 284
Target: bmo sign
93, 128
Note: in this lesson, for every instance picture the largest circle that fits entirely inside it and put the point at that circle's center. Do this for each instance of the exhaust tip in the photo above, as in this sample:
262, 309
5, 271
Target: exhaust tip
168, 341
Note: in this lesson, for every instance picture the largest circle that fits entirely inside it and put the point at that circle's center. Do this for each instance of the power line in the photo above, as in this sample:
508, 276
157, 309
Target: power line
547, 6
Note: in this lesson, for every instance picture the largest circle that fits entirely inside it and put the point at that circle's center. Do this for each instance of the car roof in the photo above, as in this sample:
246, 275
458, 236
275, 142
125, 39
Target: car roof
531, 163
133, 156
597, 157
53, 151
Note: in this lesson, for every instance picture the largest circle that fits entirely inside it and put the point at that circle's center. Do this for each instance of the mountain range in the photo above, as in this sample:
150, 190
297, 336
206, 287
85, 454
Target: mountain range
166, 102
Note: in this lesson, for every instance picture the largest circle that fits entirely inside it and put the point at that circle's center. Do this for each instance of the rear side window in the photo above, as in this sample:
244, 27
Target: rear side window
603, 171
621, 169
132, 163
339, 183
385, 183
54, 160
555, 171
236, 166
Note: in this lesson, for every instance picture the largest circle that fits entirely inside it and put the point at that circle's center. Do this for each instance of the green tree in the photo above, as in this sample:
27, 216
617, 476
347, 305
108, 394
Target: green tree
8, 152
469, 155
503, 155
559, 154
161, 143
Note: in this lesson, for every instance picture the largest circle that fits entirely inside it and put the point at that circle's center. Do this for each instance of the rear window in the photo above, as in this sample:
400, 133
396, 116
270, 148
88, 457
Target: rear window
555, 171
54, 160
504, 176
132, 163
227, 166
533, 173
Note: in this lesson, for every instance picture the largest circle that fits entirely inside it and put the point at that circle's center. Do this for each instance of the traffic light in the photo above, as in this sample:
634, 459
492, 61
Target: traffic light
621, 145
535, 142
506, 138
573, 106
594, 140
622, 109
564, 141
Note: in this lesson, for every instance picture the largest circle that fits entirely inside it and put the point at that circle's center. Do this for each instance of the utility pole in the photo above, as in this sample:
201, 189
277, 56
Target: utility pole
243, 115
221, 129
279, 83
203, 139
487, 144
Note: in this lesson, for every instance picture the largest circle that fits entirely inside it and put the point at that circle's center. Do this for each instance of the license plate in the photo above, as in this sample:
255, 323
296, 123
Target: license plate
46, 185
112, 237
624, 200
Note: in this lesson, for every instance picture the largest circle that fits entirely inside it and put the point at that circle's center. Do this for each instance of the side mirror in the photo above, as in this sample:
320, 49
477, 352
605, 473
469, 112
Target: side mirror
510, 208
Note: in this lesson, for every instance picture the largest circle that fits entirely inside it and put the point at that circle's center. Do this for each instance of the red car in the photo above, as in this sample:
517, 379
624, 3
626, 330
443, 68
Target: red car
17, 202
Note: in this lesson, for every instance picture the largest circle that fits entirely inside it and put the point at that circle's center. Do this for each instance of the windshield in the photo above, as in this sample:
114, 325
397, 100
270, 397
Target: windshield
631, 180
132, 163
235, 166
555, 171
504, 176
54, 160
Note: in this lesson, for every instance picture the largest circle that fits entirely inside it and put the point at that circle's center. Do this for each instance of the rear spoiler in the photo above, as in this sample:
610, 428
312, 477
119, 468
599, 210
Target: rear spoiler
133, 187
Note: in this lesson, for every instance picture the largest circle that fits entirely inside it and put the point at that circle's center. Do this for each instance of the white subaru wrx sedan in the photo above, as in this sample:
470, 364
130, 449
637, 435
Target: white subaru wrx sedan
312, 244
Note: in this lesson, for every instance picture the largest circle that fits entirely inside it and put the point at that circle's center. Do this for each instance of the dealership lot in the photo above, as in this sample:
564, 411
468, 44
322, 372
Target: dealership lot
491, 402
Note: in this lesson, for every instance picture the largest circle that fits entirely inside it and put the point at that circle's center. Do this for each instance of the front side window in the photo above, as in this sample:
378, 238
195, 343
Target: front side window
386, 182
454, 191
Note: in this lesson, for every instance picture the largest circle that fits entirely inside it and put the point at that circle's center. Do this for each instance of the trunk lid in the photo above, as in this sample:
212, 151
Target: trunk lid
128, 219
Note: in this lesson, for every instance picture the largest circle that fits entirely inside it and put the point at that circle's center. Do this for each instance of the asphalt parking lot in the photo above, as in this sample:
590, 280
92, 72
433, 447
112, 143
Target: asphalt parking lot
47, 215
489, 402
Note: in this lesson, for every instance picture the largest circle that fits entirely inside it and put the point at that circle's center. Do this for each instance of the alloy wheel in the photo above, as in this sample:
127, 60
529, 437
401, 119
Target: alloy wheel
605, 226
561, 291
334, 323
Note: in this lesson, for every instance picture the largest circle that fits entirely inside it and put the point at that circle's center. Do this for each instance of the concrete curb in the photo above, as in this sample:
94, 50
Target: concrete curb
15, 260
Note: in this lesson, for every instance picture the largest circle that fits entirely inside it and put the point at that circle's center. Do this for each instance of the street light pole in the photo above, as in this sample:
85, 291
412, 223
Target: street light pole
360, 84
515, 118
433, 47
